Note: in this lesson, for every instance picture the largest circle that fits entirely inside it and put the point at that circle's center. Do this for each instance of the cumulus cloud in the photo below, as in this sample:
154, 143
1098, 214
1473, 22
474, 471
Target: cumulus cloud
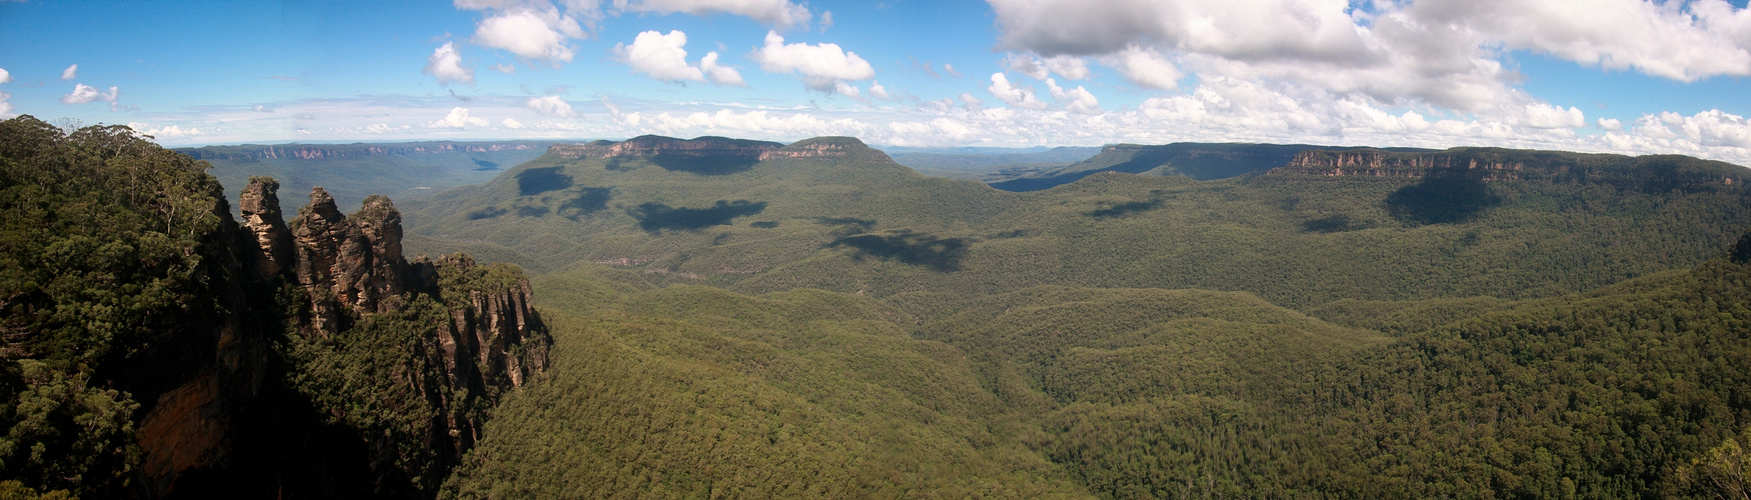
511, 124
1069, 67
1683, 41
532, 34
664, 58
728, 122
542, 30
70, 73
822, 66
1611, 124
5, 107
445, 64
660, 56
1540, 115
1021, 97
1076, 100
1448, 54
550, 106
847, 90
877, 91
165, 132
719, 74
458, 118
1145, 68
83, 93
779, 13
5, 77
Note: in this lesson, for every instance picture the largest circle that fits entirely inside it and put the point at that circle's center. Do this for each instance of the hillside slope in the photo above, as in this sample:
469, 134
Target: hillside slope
845, 218
156, 347
1064, 392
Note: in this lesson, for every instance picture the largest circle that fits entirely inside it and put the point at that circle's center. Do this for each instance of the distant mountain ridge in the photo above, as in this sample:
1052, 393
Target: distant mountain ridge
351, 172
320, 151
1201, 161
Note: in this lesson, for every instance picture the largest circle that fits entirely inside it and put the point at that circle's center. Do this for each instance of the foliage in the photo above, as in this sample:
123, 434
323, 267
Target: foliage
114, 273
371, 379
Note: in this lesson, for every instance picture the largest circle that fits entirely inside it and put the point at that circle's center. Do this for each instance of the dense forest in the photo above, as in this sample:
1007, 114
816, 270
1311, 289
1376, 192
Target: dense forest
157, 347
815, 321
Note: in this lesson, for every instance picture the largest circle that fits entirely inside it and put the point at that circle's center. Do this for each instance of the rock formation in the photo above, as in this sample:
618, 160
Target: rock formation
482, 339
713, 147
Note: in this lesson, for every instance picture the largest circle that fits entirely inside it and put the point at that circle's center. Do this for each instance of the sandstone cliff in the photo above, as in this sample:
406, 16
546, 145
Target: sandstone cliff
1653, 173
715, 147
403, 357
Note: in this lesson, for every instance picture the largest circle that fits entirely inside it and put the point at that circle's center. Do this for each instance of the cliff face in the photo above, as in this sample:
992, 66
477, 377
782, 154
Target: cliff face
429, 345
1376, 163
1655, 173
713, 147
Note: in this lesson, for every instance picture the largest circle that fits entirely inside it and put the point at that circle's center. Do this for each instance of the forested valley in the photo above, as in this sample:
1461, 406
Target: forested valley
738, 319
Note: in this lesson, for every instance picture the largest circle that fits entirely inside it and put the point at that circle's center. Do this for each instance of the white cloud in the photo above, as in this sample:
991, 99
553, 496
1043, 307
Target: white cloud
660, 56
1444, 53
1145, 68
721, 75
1541, 115
1683, 41
511, 124
877, 91
972, 103
445, 64
506, 68
780, 13
1611, 124
821, 66
70, 73
1069, 67
950, 69
551, 106
165, 132
458, 118
5, 107
847, 90
664, 58
5, 77
1076, 100
83, 93
1021, 97
1026, 65
536, 35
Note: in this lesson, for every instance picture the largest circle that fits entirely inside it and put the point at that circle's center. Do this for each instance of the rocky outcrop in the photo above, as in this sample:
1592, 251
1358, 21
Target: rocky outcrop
1654, 173
260, 205
1378, 163
483, 338
313, 152
348, 264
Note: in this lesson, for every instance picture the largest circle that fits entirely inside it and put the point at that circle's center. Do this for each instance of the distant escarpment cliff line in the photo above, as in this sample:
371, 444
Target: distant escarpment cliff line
320, 151
715, 147
1653, 173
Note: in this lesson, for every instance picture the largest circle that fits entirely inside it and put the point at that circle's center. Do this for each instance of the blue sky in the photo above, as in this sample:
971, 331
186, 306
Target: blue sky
1627, 76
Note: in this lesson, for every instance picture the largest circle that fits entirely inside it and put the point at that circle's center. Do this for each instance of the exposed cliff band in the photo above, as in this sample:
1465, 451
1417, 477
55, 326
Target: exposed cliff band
442, 341
712, 147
